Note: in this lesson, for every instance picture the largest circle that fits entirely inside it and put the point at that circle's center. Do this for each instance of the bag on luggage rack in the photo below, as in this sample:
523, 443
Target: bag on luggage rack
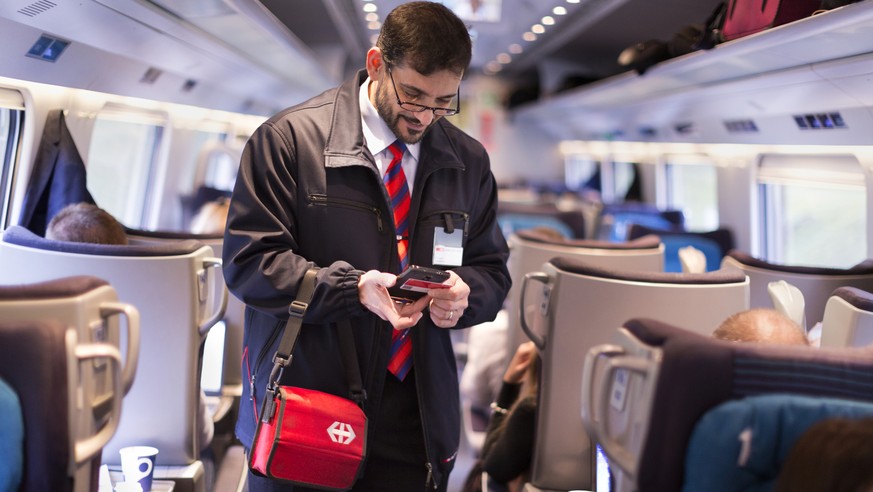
746, 17
308, 437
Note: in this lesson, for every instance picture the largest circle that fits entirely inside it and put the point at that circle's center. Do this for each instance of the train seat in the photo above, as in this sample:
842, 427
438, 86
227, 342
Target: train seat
743, 444
221, 373
648, 388
529, 250
514, 217
848, 318
617, 218
59, 354
816, 283
714, 244
571, 306
180, 294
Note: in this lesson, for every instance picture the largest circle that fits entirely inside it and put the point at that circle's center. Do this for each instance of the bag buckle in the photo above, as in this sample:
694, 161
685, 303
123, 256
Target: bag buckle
297, 308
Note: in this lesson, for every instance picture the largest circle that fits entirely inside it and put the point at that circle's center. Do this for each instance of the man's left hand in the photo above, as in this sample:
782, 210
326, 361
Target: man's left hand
448, 305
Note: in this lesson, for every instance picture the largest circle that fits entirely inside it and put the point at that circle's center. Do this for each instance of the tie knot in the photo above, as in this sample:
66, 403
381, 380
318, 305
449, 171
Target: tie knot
397, 149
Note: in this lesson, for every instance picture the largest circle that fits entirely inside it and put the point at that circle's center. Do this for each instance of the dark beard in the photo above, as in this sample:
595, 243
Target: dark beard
384, 106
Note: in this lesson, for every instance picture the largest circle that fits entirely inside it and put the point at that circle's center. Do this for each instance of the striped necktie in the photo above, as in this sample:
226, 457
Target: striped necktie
400, 356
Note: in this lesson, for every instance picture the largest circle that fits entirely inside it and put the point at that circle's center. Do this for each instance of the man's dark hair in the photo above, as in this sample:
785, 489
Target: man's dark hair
85, 223
427, 37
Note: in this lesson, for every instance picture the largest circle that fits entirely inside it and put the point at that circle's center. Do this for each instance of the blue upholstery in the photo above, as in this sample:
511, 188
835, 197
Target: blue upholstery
512, 222
719, 459
12, 440
672, 244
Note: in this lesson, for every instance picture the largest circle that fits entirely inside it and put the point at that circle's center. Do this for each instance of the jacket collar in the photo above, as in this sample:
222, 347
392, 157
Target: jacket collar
345, 143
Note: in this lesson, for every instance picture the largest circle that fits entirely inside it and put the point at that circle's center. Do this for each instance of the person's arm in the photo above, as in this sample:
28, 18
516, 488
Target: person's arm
510, 454
261, 266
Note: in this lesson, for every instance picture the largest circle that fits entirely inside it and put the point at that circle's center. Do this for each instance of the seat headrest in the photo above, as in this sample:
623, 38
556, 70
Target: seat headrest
173, 235
581, 267
538, 236
51, 289
22, 236
863, 268
861, 299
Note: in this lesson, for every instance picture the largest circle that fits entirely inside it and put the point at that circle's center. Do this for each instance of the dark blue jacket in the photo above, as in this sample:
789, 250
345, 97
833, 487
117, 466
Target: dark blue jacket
309, 192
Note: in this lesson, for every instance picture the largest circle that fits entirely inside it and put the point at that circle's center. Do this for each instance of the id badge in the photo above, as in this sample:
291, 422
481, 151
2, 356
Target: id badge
448, 249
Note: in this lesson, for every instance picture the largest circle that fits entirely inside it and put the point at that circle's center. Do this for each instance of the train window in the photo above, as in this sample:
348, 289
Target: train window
11, 116
691, 187
580, 171
122, 170
625, 182
814, 210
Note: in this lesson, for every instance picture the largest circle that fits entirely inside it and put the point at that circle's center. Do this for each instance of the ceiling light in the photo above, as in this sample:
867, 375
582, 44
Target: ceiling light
374, 25
371, 17
493, 67
504, 58
537, 29
529, 36
370, 7
515, 48
559, 10
572, 1
548, 20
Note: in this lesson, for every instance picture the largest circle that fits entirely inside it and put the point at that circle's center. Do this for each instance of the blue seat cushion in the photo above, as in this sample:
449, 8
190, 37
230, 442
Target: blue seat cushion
11, 438
741, 445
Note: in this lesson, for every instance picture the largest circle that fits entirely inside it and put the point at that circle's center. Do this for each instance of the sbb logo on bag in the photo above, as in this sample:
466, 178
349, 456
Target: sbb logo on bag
341, 433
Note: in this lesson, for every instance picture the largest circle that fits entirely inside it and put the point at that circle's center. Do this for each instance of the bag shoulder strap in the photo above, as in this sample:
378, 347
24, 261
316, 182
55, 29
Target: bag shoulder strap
296, 311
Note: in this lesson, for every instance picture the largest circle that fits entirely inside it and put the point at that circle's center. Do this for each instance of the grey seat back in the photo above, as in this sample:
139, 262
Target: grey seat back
816, 283
530, 249
848, 319
572, 306
180, 295
59, 352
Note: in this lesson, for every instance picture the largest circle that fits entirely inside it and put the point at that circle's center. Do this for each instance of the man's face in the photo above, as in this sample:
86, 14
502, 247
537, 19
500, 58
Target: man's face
438, 90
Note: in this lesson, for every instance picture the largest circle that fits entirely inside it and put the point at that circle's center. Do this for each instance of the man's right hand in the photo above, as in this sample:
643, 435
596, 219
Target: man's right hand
373, 294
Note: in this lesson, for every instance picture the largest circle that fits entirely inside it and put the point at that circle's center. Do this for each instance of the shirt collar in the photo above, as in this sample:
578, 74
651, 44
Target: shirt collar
377, 135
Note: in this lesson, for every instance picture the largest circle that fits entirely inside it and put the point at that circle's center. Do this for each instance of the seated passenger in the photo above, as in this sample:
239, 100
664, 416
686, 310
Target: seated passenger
761, 325
85, 223
211, 217
12, 440
508, 449
833, 455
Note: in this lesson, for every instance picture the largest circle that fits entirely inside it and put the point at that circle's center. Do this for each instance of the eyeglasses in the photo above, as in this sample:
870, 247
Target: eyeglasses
418, 108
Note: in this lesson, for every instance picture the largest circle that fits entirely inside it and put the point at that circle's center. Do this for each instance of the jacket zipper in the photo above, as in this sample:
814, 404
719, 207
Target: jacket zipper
428, 464
325, 200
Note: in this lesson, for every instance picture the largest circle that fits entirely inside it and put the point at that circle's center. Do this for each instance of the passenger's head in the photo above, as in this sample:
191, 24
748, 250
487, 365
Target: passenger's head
761, 325
419, 60
85, 223
834, 455
211, 217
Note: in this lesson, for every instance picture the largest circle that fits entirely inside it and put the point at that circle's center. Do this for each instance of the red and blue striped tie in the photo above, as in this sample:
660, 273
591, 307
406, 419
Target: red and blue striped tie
400, 356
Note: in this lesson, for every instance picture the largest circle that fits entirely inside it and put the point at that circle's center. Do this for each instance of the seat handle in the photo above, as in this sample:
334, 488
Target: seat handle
87, 448
131, 314
544, 278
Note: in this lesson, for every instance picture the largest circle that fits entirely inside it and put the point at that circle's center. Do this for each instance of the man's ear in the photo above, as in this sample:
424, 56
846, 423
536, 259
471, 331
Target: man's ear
375, 62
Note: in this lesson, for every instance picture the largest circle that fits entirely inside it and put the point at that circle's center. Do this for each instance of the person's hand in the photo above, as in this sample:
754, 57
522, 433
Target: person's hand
448, 305
373, 294
521, 360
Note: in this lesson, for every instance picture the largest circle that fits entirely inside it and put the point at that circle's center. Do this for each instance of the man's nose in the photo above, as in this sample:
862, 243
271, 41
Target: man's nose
424, 117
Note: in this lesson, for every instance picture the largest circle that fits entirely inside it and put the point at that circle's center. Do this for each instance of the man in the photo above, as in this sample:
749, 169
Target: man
761, 325
310, 191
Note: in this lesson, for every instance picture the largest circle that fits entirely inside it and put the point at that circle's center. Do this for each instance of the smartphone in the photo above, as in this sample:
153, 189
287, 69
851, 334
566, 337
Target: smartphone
415, 281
